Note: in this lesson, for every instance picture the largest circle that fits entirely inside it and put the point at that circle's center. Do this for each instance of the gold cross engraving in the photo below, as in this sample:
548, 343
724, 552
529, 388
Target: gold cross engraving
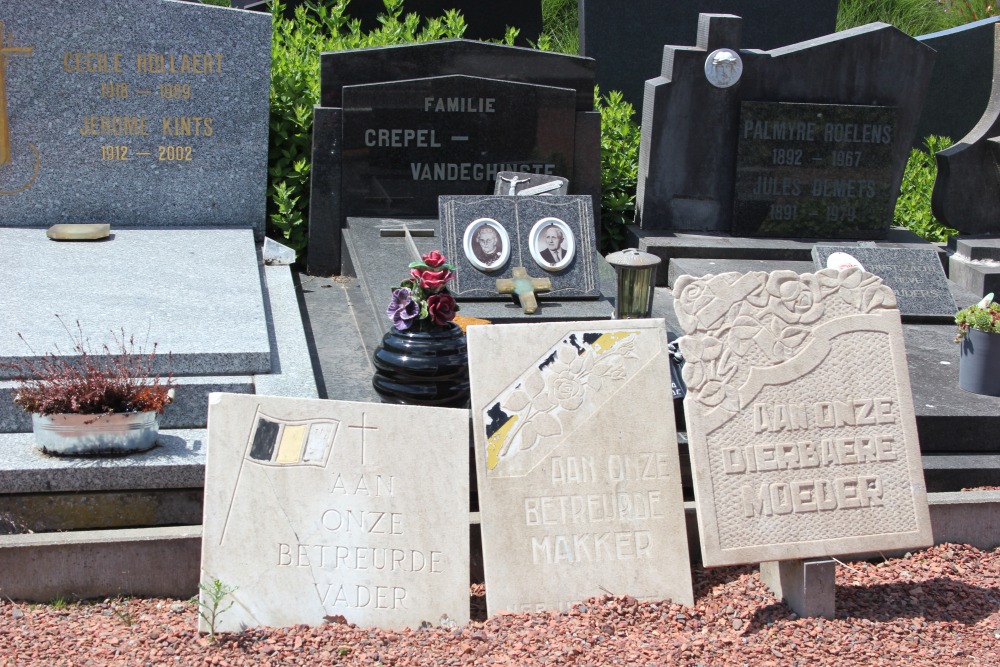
6, 50
524, 287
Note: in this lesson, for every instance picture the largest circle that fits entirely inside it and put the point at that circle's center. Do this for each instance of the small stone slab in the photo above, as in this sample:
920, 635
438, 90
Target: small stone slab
526, 183
80, 232
914, 274
577, 464
196, 293
316, 510
800, 419
523, 221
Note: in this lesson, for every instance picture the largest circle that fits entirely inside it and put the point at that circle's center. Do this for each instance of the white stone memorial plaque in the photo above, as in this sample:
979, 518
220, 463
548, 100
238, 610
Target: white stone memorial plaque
577, 466
321, 509
800, 419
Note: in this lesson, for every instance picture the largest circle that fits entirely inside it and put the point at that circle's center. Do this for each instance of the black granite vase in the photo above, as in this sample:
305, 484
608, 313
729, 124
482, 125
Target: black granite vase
979, 363
423, 368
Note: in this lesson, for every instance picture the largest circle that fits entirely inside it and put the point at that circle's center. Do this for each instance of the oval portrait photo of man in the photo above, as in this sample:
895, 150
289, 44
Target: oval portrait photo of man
552, 244
486, 244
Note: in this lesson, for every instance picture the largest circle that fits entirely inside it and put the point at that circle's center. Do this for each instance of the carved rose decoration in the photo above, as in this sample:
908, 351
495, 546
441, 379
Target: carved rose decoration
733, 322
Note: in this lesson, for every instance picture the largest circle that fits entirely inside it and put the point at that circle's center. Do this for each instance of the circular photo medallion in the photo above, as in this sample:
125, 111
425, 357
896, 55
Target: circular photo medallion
723, 68
486, 244
552, 244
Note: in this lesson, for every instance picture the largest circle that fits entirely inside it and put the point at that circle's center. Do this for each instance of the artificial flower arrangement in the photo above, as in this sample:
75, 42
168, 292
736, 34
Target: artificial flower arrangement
982, 316
423, 302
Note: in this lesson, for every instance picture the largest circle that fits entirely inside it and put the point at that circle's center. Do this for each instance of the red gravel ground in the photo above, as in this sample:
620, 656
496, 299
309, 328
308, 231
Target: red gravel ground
937, 607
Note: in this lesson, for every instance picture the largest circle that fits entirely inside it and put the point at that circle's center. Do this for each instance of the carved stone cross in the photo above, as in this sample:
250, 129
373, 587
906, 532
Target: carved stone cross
524, 287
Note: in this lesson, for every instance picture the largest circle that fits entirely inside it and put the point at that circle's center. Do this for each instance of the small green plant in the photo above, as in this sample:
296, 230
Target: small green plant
59, 603
913, 208
121, 610
559, 27
982, 316
210, 603
620, 136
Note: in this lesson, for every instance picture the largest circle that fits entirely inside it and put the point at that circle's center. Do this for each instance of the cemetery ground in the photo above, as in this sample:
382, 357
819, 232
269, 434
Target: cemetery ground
939, 606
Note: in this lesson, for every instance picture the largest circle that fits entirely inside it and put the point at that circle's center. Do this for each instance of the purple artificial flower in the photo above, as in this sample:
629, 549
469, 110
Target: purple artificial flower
402, 310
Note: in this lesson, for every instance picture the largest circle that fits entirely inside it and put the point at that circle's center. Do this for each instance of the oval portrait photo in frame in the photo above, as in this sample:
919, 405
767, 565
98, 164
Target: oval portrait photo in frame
552, 244
486, 244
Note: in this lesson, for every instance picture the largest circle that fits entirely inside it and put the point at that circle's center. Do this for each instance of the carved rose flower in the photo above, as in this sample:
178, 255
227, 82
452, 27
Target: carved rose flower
798, 299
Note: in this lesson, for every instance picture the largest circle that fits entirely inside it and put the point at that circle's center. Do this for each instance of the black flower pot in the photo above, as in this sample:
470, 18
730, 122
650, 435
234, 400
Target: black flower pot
423, 368
979, 363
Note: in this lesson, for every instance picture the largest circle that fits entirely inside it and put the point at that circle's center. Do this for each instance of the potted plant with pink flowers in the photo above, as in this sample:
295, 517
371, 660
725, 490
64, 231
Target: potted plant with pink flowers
423, 358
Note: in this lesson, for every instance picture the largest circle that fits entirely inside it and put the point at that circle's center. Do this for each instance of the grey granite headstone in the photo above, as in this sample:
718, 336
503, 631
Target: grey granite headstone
690, 128
135, 112
526, 184
813, 170
959, 89
406, 142
626, 38
523, 221
967, 191
915, 276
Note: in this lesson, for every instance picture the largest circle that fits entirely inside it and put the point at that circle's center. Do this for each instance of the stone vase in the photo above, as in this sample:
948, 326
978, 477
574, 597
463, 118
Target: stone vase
95, 435
979, 363
423, 368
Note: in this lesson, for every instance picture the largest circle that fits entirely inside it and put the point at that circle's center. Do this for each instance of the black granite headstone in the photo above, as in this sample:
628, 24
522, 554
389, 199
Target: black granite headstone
960, 84
398, 171
914, 274
966, 193
627, 37
524, 220
407, 141
690, 129
813, 170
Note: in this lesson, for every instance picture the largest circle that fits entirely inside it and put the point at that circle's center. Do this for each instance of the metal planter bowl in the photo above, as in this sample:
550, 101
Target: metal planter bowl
93, 435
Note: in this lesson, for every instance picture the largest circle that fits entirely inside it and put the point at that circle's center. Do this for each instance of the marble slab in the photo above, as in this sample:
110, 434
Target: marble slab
316, 510
800, 417
577, 464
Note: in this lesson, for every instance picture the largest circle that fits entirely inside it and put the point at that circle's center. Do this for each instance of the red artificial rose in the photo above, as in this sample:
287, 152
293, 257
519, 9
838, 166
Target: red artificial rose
434, 259
432, 280
441, 308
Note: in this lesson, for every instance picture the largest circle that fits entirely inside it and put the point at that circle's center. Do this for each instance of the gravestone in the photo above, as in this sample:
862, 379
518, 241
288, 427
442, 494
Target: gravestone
691, 129
401, 125
577, 464
322, 509
800, 418
975, 263
966, 191
959, 89
521, 223
813, 170
627, 56
915, 275
131, 120
405, 141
